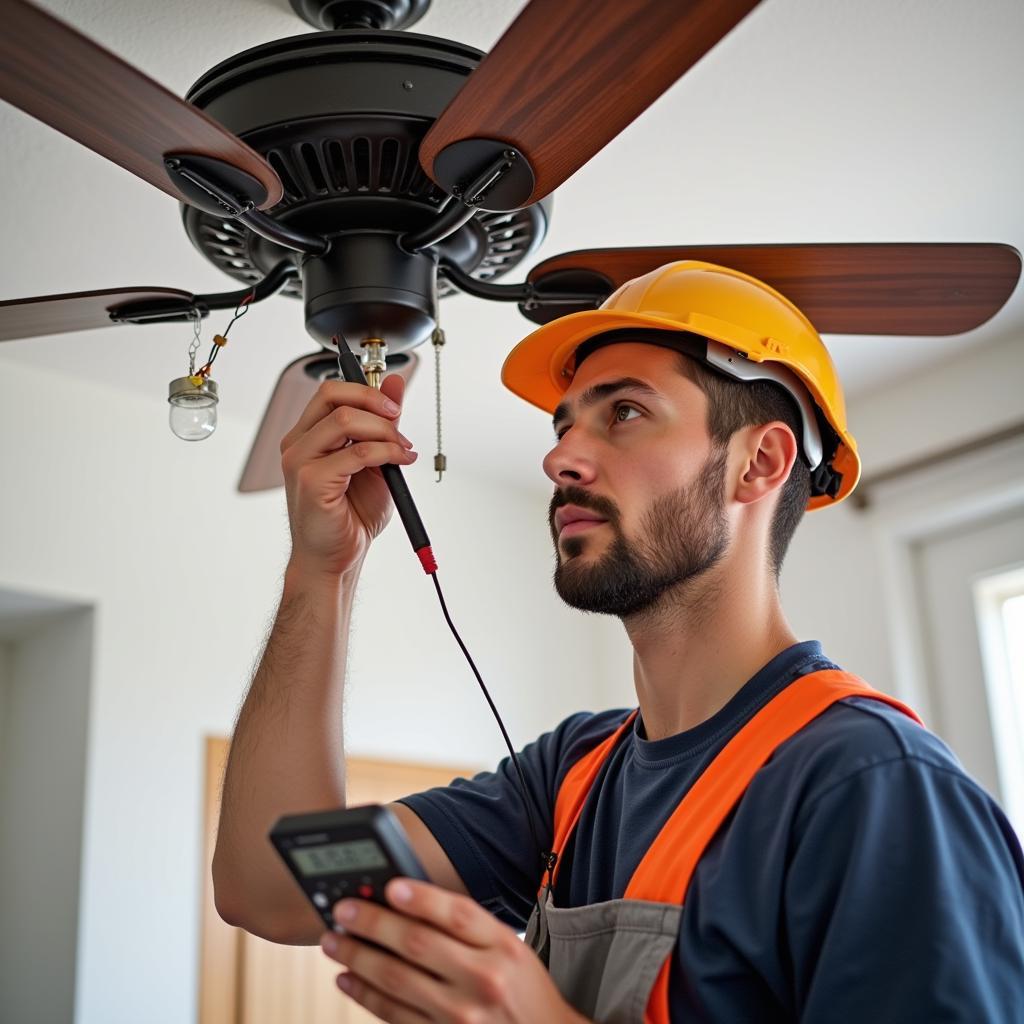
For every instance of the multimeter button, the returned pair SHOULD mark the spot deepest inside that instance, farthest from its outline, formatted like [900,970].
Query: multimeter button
[320,899]
[366,891]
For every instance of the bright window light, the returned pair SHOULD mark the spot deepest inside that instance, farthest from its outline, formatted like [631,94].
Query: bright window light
[999,602]
[1013,630]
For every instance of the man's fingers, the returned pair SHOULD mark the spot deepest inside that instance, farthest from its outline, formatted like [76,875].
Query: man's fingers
[457,915]
[393,387]
[407,986]
[349,461]
[335,430]
[377,1003]
[442,936]
[334,393]
[414,941]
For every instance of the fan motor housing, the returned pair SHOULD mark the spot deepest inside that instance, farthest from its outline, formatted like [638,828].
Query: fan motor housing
[366,286]
[340,116]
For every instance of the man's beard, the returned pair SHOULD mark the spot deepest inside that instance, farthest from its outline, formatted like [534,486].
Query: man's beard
[682,535]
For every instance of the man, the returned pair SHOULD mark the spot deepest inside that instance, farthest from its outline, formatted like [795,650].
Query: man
[764,839]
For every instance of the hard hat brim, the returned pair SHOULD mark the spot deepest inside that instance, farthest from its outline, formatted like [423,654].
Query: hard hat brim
[535,370]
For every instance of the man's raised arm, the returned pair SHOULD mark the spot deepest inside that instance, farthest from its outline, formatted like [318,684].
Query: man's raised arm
[287,752]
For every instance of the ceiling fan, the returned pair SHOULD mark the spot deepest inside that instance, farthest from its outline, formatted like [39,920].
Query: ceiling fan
[369,171]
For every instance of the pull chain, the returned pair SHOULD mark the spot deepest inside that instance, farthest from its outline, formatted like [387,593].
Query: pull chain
[440,462]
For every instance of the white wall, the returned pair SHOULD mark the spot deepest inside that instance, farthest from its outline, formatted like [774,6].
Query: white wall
[104,506]
[42,763]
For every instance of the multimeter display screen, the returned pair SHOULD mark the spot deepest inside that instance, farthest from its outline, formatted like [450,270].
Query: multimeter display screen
[334,858]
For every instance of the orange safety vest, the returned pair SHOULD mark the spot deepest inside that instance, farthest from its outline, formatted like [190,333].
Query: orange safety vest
[664,872]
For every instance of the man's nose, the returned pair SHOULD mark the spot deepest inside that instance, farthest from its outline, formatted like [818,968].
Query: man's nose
[570,462]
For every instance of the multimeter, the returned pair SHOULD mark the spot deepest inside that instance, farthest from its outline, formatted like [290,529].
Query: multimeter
[352,851]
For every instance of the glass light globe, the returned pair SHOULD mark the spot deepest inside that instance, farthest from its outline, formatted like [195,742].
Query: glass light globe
[193,415]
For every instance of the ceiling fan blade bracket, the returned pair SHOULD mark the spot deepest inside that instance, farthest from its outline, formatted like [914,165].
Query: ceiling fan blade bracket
[485,173]
[575,291]
[156,312]
[276,231]
[162,311]
[214,185]
[484,289]
[561,292]
[272,283]
[453,217]
[467,200]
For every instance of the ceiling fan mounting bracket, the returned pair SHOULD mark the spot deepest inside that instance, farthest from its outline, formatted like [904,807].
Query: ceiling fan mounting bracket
[378,14]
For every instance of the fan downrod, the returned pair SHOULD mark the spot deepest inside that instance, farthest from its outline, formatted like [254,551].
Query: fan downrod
[375,14]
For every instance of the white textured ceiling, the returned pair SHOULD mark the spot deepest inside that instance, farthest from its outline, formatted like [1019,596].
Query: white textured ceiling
[813,121]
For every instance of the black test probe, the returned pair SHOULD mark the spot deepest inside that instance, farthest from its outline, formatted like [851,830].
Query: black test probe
[353,373]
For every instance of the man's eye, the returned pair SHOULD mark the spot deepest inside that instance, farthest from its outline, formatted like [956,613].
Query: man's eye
[619,408]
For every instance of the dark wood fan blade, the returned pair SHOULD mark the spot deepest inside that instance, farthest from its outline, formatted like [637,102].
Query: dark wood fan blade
[77,311]
[295,387]
[860,288]
[569,75]
[59,76]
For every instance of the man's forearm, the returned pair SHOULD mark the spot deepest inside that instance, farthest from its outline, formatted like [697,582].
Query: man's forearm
[287,754]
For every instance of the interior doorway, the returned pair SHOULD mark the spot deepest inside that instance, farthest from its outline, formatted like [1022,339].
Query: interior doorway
[46,647]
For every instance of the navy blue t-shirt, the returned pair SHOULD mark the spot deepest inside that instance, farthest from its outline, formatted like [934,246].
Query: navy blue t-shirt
[863,876]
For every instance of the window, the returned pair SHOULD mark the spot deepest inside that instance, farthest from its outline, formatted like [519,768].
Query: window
[999,602]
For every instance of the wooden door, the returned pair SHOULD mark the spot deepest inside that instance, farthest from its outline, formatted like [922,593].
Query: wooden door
[247,980]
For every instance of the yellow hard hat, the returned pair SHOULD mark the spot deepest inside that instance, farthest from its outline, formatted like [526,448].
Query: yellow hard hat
[733,323]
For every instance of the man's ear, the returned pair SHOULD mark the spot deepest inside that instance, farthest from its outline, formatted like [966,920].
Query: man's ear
[768,454]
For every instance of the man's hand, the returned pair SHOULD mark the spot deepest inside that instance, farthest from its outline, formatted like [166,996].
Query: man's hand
[454,962]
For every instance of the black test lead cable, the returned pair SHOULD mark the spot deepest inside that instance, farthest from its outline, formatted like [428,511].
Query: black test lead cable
[353,373]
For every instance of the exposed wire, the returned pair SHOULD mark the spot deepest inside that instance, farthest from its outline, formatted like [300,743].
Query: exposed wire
[547,858]
[220,340]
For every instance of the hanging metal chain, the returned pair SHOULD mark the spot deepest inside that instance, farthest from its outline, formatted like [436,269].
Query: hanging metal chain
[438,339]
[196,341]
